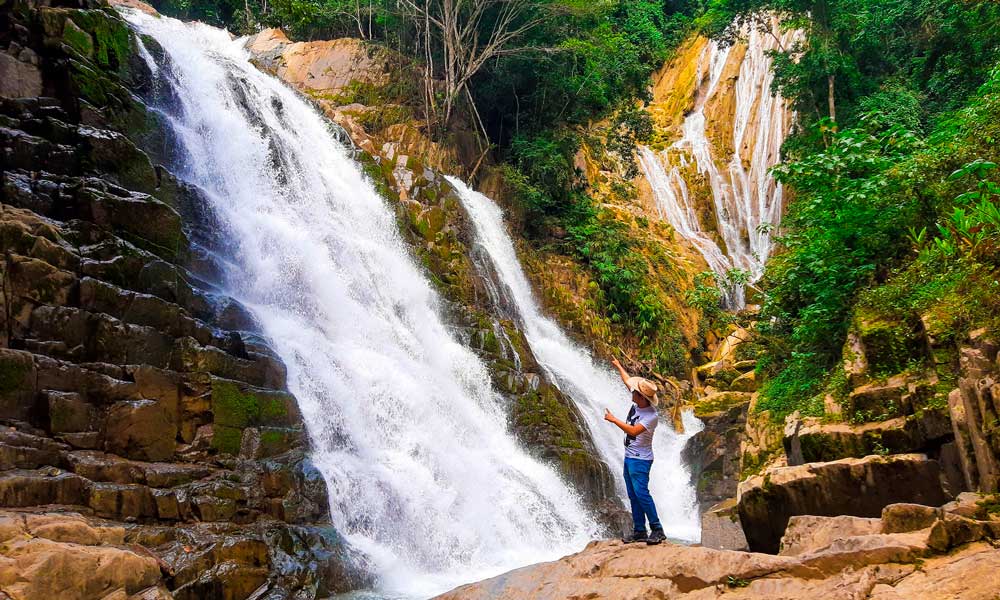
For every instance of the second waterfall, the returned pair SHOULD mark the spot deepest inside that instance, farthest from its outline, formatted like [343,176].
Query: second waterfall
[730,223]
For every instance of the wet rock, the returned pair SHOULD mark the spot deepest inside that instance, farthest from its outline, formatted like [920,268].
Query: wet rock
[22,488]
[713,453]
[18,383]
[141,430]
[18,78]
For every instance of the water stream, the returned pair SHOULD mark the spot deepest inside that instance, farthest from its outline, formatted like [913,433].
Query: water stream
[423,474]
[591,385]
[746,199]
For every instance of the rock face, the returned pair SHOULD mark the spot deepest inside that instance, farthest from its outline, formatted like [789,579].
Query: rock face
[131,389]
[834,558]
[975,408]
[859,487]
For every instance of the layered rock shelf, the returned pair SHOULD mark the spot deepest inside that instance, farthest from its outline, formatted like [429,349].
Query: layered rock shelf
[148,445]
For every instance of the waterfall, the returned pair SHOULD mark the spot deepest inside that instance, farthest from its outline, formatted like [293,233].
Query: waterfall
[424,476]
[746,199]
[592,386]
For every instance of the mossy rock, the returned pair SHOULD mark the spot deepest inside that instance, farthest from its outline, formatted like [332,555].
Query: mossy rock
[719,402]
[112,38]
[890,344]
[238,405]
[78,39]
[541,415]
[278,440]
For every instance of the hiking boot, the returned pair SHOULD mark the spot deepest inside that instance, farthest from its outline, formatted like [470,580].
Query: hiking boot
[655,538]
[634,537]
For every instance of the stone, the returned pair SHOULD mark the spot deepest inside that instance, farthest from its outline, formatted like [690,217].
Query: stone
[903,517]
[122,501]
[747,382]
[807,533]
[141,430]
[968,505]
[810,439]
[953,531]
[721,529]
[18,383]
[18,79]
[968,575]
[25,488]
[73,571]
[68,412]
[860,487]
[855,362]
[879,400]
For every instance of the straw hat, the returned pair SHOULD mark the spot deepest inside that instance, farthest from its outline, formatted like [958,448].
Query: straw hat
[645,387]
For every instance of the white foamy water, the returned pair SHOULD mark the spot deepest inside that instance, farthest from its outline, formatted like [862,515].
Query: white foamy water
[747,201]
[422,471]
[592,386]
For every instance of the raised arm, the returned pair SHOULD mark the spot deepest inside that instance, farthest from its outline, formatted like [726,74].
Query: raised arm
[621,371]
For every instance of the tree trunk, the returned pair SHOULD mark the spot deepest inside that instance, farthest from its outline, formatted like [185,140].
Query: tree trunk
[830,97]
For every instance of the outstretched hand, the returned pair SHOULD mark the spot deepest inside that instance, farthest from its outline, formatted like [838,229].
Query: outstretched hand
[608,416]
[616,363]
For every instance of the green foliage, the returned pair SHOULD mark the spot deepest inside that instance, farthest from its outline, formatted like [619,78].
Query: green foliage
[705,297]
[844,252]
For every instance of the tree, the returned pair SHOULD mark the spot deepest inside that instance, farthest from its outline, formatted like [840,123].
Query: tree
[468,33]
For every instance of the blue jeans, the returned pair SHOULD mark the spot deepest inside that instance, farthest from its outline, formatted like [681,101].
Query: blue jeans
[637,484]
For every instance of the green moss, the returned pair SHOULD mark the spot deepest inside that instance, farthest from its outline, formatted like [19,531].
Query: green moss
[77,39]
[239,408]
[12,375]
[720,402]
[542,411]
[112,38]
[990,505]
[226,439]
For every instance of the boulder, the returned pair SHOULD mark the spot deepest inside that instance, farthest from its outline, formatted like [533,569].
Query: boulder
[747,382]
[808,533]
[19,78]
[902,517]
[73,571]
[859,487]
[18,383]
[24,488]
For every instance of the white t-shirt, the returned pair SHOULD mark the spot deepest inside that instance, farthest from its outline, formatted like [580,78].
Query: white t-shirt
[641,446]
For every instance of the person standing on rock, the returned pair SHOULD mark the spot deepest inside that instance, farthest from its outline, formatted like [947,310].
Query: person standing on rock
[639,426]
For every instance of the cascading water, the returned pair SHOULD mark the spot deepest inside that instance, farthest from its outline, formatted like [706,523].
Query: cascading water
[591,386]
[747,201]
[423,474]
